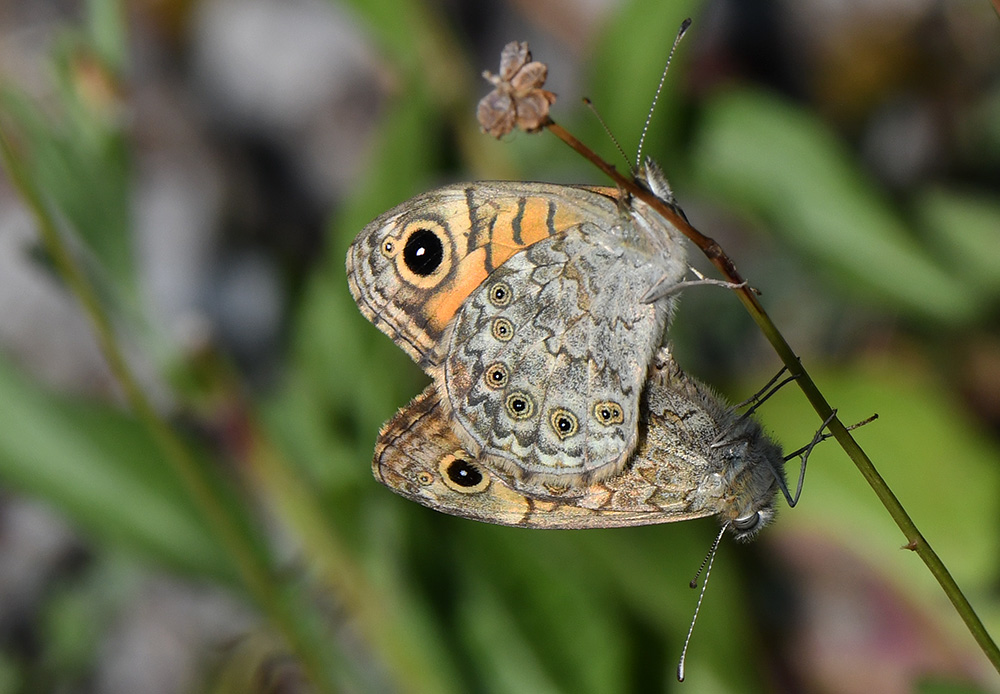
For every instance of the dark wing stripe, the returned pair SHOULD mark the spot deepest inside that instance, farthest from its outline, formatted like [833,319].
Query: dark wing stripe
[516,223]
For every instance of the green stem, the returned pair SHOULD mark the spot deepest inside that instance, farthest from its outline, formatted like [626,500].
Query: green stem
[255,571]
[714,252]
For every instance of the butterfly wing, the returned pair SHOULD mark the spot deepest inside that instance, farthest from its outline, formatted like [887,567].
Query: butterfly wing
[412,268]
[419,457]
[547,360]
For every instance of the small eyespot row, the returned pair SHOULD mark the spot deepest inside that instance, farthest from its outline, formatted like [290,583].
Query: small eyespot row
[500,294]
[496,375]
[608,413]
[564,423]
[502,329]
[519,405]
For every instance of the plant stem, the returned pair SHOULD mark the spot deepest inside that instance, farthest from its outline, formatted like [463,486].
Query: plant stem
[718,257]
[251,563]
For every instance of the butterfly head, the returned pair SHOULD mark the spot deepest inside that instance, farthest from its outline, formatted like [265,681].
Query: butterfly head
[757,475]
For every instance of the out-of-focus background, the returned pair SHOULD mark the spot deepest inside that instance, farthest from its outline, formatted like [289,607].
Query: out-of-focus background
[209,161]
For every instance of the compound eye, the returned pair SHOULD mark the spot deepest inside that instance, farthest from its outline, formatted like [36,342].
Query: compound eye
[747,524]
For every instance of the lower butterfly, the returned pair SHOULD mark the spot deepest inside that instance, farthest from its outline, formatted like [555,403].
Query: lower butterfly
[696,457]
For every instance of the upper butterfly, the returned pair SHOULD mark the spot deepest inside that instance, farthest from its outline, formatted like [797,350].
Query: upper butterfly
[525,303]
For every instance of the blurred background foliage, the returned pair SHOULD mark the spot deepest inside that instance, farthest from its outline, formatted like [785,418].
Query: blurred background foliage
[209,162]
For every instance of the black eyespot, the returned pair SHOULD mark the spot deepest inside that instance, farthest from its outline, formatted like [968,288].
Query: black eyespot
[502,329]
[608,413]
[423,252]
[463,474]
[497,375]
[519,406]
[500,294]
[564,423]
[388,248]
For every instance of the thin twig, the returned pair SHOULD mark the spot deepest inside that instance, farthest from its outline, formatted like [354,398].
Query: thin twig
[915,540]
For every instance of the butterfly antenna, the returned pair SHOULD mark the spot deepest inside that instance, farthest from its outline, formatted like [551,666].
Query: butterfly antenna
[656,97]
[590,104]
[706,565]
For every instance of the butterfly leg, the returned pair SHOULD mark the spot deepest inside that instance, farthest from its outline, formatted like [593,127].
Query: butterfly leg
[769,389]
[756,400]
[662,289]
[804,452]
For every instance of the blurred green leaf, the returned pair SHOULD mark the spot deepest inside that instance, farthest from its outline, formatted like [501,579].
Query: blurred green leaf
[398,25]
[72,629]
[632,51]
[438,667]
[80,163]
[10,675]
[99,466]
[776,160]
[966,228]
[942,469]
[506,661]
[106,24]
[558,598]
[936,686]
[347,378]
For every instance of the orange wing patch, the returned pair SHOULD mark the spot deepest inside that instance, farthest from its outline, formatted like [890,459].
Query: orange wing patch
[514,227]
[469,274]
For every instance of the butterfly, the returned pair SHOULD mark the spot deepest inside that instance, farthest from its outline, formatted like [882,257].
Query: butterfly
[696,457]
[529,306]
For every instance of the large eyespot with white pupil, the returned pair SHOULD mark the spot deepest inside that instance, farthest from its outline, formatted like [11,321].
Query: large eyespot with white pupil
[422,253]
[463,476]
[500,294]
[519,405]
[564,423]
[502,329]
[496,375]
[608,413]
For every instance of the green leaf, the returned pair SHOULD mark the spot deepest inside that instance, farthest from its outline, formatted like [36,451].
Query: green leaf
[100,467]
[347,378]
[556,597]
[80,166]
[627,66]
[940,466]
[966,228]
[106,23]
[777,161]
[506,661]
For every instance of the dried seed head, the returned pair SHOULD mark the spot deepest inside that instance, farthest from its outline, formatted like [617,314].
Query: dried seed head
[517,99]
